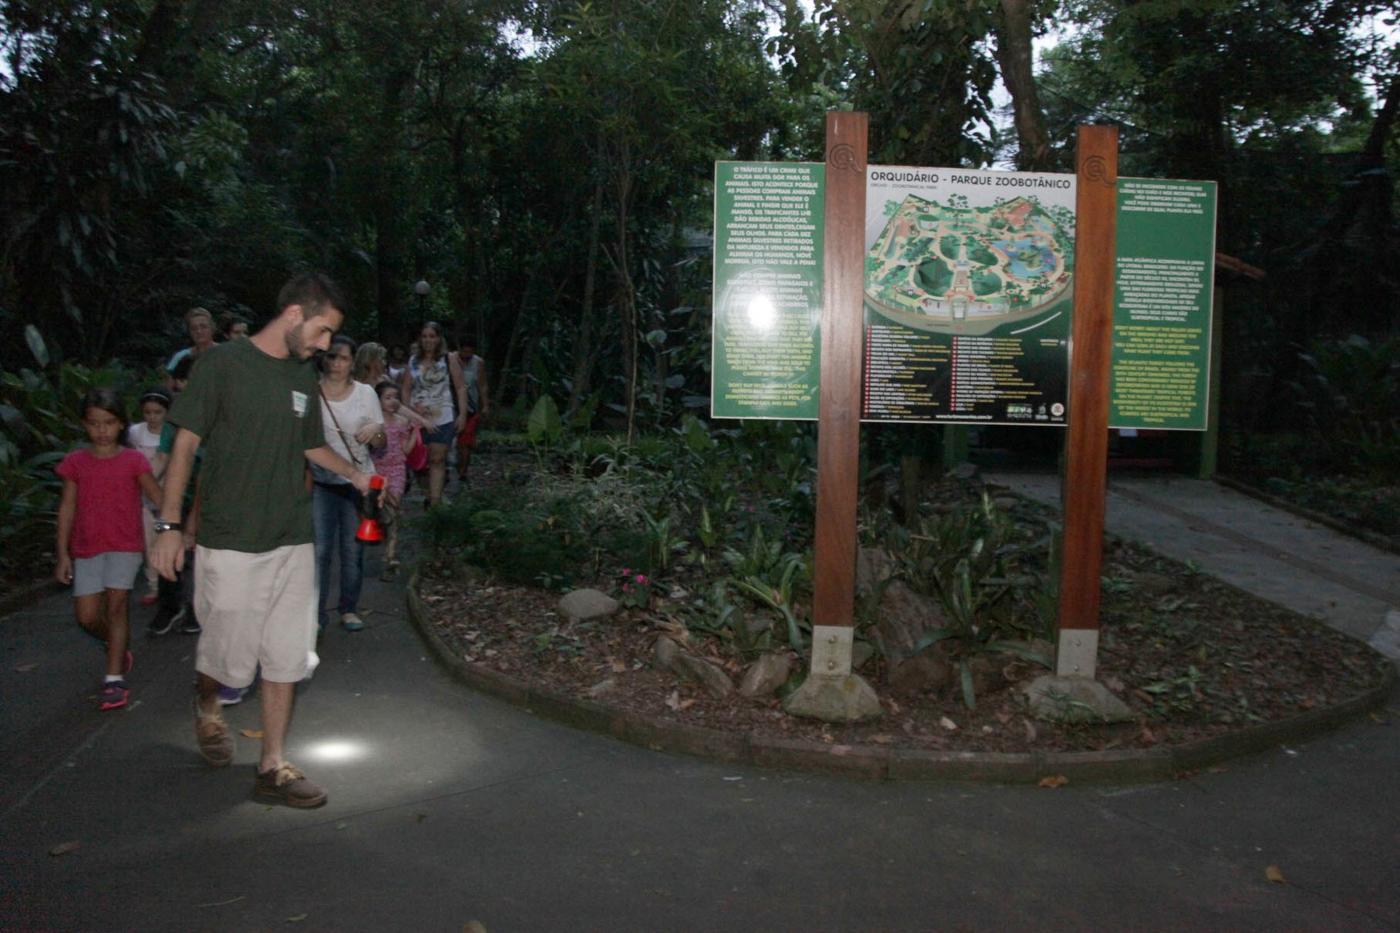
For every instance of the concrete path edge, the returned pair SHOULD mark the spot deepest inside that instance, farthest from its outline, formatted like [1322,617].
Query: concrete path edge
[1364,535]
[1115,766]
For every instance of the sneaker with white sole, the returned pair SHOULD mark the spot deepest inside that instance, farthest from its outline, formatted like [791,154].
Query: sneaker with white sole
[112,695]
[351,622]
[232,696]
[189,623]
[161,623]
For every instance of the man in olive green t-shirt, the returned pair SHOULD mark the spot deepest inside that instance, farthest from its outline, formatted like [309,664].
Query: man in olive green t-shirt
[253,405]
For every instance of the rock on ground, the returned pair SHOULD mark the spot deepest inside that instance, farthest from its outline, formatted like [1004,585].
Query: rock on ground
[904,617]
[714,681]
[873,567]
[664,653]
[763,677]
[929,672]
[1074,699]
[586,604]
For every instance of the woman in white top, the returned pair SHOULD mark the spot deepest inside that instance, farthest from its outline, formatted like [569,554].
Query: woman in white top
[431,381]
[353,423]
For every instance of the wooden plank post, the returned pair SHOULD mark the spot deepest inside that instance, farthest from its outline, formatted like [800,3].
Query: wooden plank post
[832,692]
[1086,456]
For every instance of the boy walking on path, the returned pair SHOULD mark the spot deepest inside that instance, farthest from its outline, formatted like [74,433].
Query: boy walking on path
[253,405]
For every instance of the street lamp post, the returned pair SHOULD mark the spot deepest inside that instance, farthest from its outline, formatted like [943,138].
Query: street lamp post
[421,289]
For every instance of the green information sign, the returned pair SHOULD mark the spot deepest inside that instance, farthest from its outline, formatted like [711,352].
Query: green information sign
[767,289]
[1162,304]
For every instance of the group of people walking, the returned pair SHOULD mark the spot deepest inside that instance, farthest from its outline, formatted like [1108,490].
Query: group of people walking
[242,484]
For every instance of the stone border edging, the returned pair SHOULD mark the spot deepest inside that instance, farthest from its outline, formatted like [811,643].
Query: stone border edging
[1365,535]
[876,762]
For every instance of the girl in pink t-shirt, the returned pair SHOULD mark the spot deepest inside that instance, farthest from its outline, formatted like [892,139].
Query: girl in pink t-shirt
[401,432]
[100,539]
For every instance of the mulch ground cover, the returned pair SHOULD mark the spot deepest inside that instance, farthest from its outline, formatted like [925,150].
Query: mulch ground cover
[1191,656]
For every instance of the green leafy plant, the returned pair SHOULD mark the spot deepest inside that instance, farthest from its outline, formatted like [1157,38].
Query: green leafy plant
[771,576]
[544,427]
[663,541]
[969,558]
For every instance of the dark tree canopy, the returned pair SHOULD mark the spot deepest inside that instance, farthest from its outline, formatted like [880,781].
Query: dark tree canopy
[546,166]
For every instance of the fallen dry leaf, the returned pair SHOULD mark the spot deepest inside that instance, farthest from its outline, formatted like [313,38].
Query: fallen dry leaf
[675,631]
[673,701]
[473,926]
[297,918]
[618,667]
[63,848]
[26,667]
[1054,780]
[1274,874]
[251,733]
[882,739]
[948,724]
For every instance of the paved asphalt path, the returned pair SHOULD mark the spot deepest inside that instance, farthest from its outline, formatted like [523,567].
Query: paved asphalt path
[447,807]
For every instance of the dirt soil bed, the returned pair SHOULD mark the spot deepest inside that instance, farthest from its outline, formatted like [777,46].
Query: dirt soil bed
[1191,656]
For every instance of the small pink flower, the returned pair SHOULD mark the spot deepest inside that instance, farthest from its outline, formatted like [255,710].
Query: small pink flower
[641,578]
[626,571]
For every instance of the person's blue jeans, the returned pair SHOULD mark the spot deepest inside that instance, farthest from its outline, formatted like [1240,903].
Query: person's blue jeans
[335,519]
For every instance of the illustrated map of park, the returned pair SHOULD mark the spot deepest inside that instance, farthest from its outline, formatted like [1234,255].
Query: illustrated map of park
[959,269]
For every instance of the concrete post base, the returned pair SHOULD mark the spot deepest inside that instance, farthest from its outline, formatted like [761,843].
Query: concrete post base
[834,698]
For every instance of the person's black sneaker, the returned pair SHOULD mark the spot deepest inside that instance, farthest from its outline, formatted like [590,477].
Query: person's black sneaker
[189,625]
[161,623]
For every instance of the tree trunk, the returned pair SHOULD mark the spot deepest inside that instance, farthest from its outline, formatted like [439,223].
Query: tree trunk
[583,345]
[626,294]
[1016,59]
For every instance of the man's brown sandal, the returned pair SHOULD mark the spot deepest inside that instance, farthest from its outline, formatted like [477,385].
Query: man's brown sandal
[215,740]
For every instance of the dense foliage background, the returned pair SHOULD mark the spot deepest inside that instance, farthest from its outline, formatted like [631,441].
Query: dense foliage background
[546,167]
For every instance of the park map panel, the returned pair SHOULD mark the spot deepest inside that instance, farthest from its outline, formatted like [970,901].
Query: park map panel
[968,292]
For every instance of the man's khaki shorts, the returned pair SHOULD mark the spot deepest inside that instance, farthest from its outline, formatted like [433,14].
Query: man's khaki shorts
[256,609]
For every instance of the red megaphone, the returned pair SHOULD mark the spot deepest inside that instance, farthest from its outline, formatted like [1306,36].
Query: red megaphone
[369,531]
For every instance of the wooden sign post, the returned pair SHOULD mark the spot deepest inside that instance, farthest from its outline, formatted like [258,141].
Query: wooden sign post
[1086,460]
[832,692]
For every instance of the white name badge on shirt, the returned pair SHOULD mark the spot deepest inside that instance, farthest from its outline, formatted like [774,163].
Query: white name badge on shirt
[299,404]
